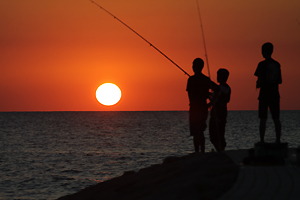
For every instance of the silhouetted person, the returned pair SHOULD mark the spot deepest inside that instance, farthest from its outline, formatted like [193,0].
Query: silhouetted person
[268,74]
[198,91]
[218,113]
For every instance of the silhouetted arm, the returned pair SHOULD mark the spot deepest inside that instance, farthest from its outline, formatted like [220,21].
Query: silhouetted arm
[280,77]
[215,87]
[258,82]
[258,73]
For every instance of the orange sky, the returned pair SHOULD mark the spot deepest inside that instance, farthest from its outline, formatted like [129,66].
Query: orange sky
[55,53]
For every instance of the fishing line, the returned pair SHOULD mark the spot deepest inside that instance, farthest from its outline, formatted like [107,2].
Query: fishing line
[141,37]
[298,22]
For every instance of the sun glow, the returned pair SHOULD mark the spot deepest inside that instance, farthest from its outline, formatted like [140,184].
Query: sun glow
[108,94]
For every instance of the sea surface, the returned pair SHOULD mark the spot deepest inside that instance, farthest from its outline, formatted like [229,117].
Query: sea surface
[46,155]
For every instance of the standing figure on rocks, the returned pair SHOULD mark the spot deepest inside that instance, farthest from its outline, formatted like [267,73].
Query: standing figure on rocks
[198,87]
[268,74]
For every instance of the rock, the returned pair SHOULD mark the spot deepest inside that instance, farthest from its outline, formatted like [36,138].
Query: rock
[195,176]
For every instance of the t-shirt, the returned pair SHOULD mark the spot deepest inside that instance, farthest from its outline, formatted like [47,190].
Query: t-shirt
[269,73]
[198,89]
[220,105]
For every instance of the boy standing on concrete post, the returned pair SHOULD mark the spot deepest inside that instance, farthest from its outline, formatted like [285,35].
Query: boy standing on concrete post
[268,74]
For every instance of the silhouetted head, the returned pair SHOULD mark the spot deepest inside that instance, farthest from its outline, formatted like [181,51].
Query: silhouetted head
[222,75]
[198,64]
[267,50]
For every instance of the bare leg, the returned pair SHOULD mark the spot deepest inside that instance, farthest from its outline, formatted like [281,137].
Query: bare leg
[262,129]
[199,141]
[277,129]
[202,143]
[196,143]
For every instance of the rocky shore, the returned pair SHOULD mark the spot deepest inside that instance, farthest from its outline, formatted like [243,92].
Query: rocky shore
[195,176]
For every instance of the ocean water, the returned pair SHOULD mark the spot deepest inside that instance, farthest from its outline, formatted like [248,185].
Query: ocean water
[46,155]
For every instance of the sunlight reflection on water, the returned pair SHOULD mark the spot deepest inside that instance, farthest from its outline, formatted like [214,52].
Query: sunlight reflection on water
[45,155]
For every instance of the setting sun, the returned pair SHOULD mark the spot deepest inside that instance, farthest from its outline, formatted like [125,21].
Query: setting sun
[108,94]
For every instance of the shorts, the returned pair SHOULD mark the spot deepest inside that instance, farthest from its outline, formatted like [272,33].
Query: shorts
[197,121]
[273,105]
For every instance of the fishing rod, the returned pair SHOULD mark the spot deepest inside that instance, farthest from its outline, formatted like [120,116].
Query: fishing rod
[141,37]
[200,19]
